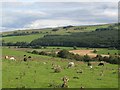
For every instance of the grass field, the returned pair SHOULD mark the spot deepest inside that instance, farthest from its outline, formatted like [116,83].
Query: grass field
[35,74]
[61,31]
[103,51]
[38,73]
[29,38]
[106,51]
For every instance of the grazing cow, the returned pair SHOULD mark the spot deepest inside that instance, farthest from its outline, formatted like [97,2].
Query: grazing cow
[64,85]
[25,59]
[75,77]
[6,57]
[79,71]
[89,64]
[91,67]
[101,73]
[57,69]
[12,58]
[71,64]
[29,56]
[101,64]
[65,80]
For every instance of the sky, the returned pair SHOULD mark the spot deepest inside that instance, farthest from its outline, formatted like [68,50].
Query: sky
[35,15]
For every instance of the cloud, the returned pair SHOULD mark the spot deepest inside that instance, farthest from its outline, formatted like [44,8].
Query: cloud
[57,23]
[61,1]
[18,18]
[19,15]
[51,23]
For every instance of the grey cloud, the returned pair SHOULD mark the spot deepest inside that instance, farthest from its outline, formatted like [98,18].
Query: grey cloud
[18,15]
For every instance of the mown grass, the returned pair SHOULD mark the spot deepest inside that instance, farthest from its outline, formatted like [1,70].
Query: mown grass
[35,74]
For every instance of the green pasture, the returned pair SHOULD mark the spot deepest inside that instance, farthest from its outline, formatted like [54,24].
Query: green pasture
[35,74]
[104,51]
[27,38]
[61,31]
[107,51]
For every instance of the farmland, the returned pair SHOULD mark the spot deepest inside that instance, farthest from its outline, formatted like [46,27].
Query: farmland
[44,75]
[43,32]
[74,39]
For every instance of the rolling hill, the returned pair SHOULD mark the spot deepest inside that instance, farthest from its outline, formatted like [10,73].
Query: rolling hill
[11,37]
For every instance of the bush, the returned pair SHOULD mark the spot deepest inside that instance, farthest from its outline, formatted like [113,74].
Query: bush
[43,53]
[57,70]
[114,60]
[86,58]
[95,51]
[63,54]
[78,57]
[99,57]
[35,52]
[74,47]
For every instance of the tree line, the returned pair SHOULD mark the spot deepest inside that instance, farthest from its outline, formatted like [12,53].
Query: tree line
[96,39]
[20,33]
[99,38]
[113,59]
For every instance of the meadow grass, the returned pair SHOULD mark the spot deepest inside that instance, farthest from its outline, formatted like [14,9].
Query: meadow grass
[27,38]
[35,74]
[107,51]
[103,51]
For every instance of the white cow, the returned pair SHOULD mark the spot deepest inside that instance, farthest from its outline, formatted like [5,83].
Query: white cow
[6,57]
[71,64]
[91,67]
[12,58]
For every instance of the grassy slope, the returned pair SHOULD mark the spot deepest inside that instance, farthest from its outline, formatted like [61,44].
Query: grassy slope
[29,38]
[44,74]
[103,51]
[106,51]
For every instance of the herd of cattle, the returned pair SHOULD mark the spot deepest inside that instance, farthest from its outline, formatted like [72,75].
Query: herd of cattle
[70,64]
[57,67]
[14,59]
[10,58]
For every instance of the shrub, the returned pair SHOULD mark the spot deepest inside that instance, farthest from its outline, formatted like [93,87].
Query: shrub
[57,70]
[63,54]
[43,53]
[74,47]
[95,51]
[86,58]
[35,52]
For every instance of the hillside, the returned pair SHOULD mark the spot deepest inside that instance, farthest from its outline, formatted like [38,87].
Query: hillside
[105,38]
[81,36]
[20,36]
[101,37]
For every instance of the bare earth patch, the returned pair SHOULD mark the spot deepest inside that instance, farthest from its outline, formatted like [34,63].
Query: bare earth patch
[84,52]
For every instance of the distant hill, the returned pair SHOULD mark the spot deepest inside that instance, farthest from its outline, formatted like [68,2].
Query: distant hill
[30,35]
[101,37]
[80,36]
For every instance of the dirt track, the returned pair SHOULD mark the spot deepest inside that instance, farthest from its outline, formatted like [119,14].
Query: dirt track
[84,52]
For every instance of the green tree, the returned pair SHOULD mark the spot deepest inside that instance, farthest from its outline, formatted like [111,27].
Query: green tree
[63,54]
[74,47]
[86,58]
